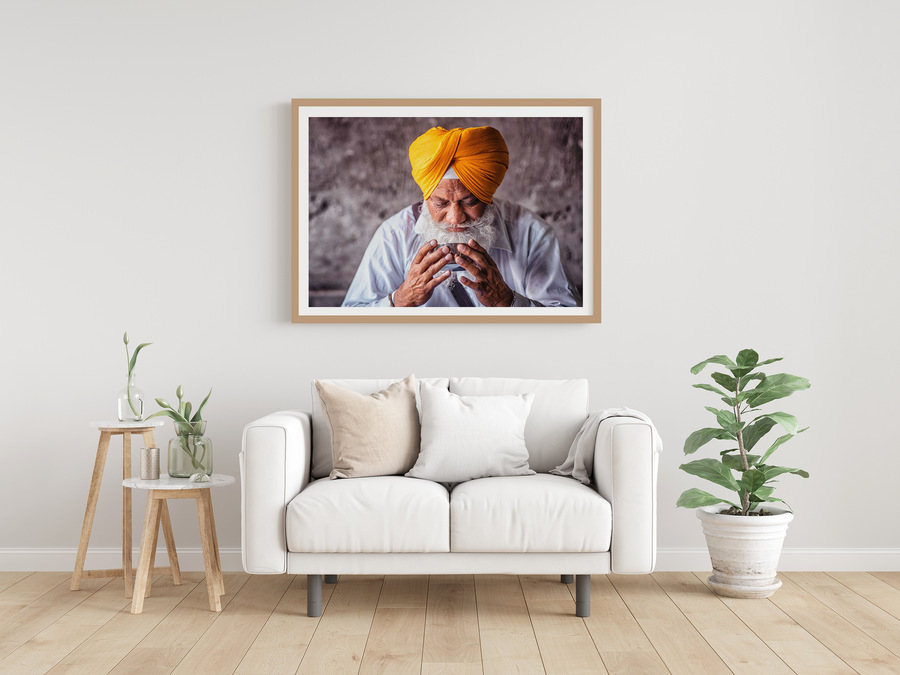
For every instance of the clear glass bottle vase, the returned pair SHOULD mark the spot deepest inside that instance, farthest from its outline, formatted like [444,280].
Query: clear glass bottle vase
[190,451]
[130,401]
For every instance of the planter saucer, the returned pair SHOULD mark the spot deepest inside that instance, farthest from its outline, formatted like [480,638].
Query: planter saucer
[748,592]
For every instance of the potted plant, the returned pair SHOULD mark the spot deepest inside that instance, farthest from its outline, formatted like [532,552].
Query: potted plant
[130,398]
[745,539]
[190,452]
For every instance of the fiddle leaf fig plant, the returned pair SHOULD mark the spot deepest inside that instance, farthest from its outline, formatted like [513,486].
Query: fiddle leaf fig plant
[750,476]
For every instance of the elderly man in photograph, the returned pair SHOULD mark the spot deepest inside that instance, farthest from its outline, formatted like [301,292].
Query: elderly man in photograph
[460,247]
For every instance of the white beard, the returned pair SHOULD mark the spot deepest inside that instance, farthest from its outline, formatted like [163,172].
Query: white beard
[484,230]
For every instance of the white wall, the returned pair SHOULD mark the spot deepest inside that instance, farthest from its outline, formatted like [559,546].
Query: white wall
[750,179]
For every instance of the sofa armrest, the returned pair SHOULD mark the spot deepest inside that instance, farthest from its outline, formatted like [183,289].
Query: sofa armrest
[624,473]
[275,461]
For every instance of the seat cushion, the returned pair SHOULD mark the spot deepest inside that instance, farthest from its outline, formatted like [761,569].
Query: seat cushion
[540,513]
[380,514]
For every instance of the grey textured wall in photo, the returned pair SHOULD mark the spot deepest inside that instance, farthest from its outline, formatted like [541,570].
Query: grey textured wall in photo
[359,175]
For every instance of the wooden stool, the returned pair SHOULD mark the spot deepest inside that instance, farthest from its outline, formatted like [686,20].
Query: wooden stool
[167,487]
[107,431]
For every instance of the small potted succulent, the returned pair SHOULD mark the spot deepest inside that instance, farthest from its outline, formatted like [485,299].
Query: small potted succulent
[190,452]
[744,540]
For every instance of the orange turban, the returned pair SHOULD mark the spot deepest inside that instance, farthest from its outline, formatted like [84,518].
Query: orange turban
[479,156]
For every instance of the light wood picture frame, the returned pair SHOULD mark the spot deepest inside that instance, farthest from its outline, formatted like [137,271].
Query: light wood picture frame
[351,172]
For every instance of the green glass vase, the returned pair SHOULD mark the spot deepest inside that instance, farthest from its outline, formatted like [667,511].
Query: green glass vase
[190,451]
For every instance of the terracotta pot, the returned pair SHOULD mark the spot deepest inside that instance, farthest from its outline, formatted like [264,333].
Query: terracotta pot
[744,550]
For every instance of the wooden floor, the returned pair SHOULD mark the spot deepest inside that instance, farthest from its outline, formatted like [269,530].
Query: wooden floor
[816,624]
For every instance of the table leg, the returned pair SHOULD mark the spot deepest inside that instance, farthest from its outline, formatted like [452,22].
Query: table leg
[127,540]
[170,543]
[148,539]
[90,509]
[215,540]
[209,557]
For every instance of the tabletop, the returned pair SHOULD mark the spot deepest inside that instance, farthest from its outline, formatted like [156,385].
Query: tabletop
[167,482]
[116,424]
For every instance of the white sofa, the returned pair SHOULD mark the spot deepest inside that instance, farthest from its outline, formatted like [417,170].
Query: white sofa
[296,520]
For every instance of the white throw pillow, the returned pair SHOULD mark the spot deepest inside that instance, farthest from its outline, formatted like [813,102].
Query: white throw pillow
[466,437]
[374,435]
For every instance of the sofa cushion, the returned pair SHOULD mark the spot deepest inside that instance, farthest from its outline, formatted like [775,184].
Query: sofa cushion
[560,408]
[382,514]
[322,462]
[371,435]
[466,437]
[540,513]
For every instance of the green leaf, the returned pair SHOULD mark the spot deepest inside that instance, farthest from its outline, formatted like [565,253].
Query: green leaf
[774,387]
[163,403]
[709,387]
[712,470]
[781,440]
[691,499]
[773,471]
[755,431]
[788,422]
[725,380]
[171,414]
[749,378]
[135,355]
[752,480]
[765,363]
[187,410]
[196,417]
[721,359]
[726,419]
[746,362]
[700,438]
[735,462]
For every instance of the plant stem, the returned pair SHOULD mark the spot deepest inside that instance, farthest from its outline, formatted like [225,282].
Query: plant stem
[745,496]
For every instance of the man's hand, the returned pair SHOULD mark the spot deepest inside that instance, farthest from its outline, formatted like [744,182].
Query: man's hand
[420,280]
[488,283]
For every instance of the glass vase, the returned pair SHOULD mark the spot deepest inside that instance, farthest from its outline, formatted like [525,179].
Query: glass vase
[190,451]
[130,401]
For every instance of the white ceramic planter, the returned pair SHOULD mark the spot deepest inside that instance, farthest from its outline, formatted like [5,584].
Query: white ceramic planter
[744,550]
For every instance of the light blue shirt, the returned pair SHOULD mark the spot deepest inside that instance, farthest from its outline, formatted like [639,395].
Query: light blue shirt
[526,253]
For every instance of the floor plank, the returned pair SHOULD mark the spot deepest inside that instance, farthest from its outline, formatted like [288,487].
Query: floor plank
[891,578]
[171,639]
[563,638]
[871,588]
[508,643]
[741,650]
[802,652]
[106,647]
[622,644]
[452,644]
[869,618]
[284,638]
[854,647]
[44,609]
[339,641]
[8,579]
[681,648]
[228,639]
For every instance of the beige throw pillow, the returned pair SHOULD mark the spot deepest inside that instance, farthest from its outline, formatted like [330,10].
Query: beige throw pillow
[372,435]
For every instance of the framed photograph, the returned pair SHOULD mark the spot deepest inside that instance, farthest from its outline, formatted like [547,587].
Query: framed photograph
[417,211]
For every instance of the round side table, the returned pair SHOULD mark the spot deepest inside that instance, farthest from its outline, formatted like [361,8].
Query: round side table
[158,491]
[109,429]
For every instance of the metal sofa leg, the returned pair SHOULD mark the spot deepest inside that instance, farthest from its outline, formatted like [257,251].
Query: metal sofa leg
[331,578]
[582,595]
[313,595]
[567,578]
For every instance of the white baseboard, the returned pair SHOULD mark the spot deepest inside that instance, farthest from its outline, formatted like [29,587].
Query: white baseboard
[667,559]
[791,560]
[63,559]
